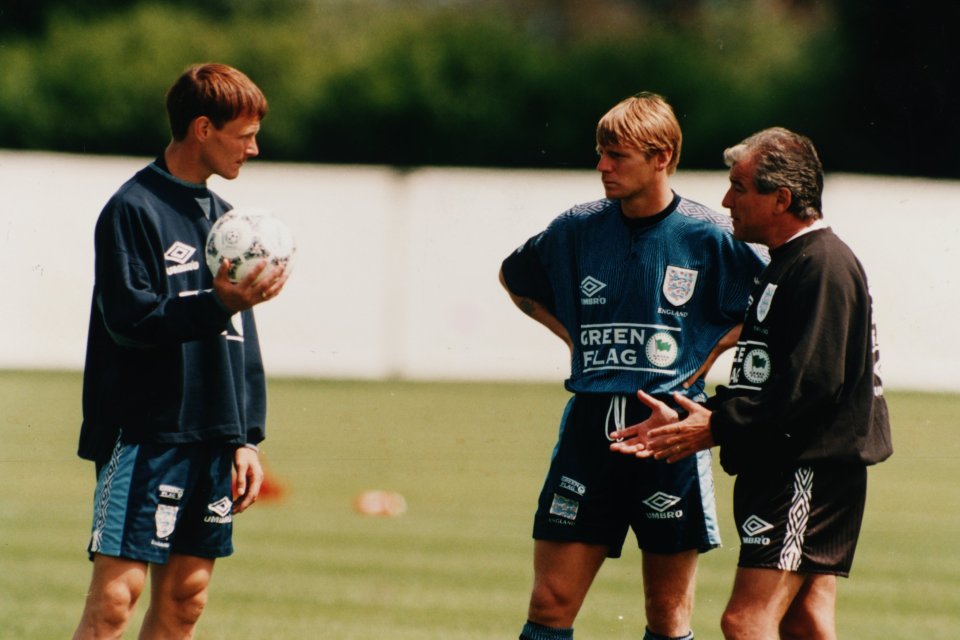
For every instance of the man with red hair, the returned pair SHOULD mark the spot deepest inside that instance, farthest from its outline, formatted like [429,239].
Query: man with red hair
[173,396]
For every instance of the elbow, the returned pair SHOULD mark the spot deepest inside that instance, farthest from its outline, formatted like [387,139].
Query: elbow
[503,281]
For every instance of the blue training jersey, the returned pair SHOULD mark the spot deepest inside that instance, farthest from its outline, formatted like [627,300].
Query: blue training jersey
[644,300]
[166,362]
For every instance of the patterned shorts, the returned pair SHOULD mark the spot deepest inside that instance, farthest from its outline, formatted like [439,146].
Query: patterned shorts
[806,520]
[153,500]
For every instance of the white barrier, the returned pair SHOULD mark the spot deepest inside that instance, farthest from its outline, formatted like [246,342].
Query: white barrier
[396,273]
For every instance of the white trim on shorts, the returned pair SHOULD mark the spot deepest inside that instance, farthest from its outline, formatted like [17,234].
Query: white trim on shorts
[797,519]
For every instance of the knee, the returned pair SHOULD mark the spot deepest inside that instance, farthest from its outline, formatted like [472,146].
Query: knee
[734,624]
[109,610]
[798,625]
[186,605]
[668,610]
[552,605]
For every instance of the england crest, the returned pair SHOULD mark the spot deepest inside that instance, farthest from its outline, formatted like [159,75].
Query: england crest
[766,299]
[166,520]
[678,285]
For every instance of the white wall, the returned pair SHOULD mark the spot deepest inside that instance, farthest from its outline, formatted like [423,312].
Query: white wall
[396,273]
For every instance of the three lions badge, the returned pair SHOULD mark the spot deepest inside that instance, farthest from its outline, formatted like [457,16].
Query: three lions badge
[678,285]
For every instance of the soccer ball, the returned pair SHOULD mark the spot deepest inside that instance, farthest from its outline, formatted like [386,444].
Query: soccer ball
[245,237]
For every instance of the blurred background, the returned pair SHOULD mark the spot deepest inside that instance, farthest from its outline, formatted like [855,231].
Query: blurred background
[412,144]
[498,83]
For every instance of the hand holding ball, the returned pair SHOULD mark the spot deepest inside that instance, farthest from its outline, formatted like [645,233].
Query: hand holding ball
[246,237]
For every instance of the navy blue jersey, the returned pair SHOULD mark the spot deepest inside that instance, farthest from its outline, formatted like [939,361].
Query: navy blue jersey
[166,362]
[644,300]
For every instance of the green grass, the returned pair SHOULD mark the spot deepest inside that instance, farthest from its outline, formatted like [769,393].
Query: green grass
[469,458]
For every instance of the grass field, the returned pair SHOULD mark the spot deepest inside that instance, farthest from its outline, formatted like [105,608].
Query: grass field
[469,458]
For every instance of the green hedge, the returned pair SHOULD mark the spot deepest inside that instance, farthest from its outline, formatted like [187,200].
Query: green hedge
[390,83]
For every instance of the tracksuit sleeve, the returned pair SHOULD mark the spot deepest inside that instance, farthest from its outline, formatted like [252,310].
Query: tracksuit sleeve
[133,295]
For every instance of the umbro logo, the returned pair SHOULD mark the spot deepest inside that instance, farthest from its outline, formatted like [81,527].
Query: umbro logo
[179,252]
[661,501]
[754,526]
[659,505]
[591,286]
[221,507]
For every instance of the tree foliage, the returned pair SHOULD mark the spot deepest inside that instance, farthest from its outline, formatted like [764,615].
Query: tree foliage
[475,82]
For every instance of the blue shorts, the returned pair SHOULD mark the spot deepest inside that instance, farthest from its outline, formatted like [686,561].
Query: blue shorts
[594,495]
[153,500]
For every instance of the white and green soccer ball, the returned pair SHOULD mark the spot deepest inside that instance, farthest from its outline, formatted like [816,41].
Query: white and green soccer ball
[245,237]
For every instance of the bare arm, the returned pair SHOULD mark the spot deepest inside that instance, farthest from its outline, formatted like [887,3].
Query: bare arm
[539,313]
[728,341]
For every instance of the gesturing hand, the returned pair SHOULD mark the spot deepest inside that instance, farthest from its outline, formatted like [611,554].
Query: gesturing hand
[662,436]
[634,440]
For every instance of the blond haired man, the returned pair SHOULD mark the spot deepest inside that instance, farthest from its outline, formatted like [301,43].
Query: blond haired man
[646,288]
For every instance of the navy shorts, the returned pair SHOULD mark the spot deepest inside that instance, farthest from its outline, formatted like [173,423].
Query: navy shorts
[153,500]
[594,495]
[806,520]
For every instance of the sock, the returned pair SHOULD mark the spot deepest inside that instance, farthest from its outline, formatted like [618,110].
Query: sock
[650,635]
[534,631]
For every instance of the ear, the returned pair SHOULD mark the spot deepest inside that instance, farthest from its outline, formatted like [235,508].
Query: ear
[783,199]
[662,159]
[202,127]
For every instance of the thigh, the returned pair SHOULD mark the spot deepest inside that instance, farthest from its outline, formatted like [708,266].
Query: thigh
[670,575]
[179,591]
[181,578]
[812,614]
[760,600]
[669,582]
[563,573]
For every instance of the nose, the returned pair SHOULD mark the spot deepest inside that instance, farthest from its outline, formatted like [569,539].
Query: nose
[252,149]
[603,164]
[727,202]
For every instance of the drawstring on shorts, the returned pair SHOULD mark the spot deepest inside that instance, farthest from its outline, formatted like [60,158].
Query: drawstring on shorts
[618,409]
